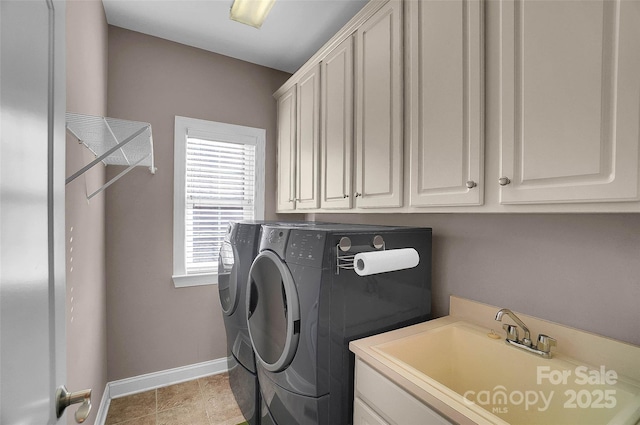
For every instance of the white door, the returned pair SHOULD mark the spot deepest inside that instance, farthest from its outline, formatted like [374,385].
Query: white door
[32,332]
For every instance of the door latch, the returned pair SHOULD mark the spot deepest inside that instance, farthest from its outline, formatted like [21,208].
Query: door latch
[64,399]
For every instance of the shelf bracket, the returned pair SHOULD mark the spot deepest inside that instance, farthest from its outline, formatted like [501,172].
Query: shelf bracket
[103,156]
[116,178]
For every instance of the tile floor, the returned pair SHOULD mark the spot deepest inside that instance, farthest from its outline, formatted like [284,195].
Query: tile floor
[204,401]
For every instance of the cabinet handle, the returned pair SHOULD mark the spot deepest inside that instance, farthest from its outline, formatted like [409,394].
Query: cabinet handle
[504,181]
[345,196]
[357,195]
[471,184]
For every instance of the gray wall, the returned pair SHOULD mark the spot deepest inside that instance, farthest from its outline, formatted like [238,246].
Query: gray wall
[151,325]
[581,270]
[86,296]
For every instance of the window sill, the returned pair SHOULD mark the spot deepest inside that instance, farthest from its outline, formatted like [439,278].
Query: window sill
[184,281]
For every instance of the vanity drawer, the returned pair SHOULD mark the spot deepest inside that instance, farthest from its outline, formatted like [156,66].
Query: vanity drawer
[392,403]
[364,415]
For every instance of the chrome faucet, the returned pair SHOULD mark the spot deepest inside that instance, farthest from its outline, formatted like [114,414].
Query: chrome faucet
[543,346]
[527,335]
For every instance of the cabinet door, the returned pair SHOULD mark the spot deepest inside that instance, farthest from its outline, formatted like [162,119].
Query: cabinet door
[363,415]
[307,160]
[337,127]
[570,84]
[379,109]
[444,70]
[286,150]
[389,401]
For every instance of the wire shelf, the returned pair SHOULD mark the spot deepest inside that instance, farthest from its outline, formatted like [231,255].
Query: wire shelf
[114,142]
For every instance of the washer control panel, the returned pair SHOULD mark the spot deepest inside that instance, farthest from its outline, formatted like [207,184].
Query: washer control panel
[306,247]
[246,233]
[274,238]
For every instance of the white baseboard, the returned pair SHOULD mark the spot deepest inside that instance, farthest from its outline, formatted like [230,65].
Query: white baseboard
[155,380]
[163,378]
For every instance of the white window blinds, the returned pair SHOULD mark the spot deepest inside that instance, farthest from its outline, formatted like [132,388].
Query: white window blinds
[218,177]
[220,188]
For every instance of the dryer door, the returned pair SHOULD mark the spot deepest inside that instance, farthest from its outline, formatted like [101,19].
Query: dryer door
[273,312]
[228,278]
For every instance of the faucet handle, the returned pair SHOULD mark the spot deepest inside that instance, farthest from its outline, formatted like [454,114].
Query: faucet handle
[545,343]
[512,332]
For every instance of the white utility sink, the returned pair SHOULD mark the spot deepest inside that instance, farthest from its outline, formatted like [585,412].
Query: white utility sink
[462,360]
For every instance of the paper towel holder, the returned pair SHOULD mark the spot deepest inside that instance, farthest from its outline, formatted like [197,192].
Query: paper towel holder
[345,261]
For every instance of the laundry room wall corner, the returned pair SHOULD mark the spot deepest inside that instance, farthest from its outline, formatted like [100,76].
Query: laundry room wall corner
[86,57]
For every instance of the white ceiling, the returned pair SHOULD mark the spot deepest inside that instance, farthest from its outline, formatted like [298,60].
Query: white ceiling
[292,33]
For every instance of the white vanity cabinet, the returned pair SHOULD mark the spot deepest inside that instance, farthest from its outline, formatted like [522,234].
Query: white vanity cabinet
[445,105]
[379,401]
[569,108]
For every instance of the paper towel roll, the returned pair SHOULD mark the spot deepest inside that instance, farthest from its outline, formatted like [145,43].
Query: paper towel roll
[367,263]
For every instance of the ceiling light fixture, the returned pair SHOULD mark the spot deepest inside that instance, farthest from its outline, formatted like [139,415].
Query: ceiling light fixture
[251,12]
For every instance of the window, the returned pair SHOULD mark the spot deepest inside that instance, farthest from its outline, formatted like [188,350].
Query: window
[218,178]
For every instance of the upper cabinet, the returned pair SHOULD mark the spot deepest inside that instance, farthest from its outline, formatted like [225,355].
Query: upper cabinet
[336,118]
[299,144]
[308,143]
[570,101]
[444,86]
[342,160]
[286,191]
[467,105]
[379,118]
